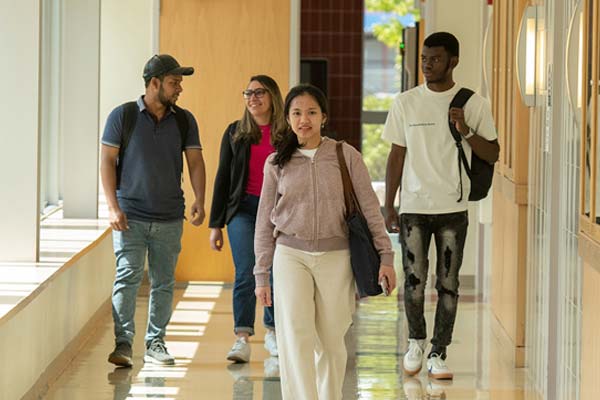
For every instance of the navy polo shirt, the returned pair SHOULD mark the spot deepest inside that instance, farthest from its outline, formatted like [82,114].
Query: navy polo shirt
[150,188]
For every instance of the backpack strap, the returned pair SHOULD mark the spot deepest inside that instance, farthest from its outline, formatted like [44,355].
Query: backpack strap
[459,101]
[130,115]
[182,124]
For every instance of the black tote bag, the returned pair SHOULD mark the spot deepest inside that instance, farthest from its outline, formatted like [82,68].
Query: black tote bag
[364,257]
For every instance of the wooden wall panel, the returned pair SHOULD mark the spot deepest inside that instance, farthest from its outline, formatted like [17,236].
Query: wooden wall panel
[509,269]
[498,216]
[519,121]
[590,341]
[227,41]
[500,116]
[509,264]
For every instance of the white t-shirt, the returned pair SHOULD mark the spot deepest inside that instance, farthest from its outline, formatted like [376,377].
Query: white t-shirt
[418,120]
[310,153]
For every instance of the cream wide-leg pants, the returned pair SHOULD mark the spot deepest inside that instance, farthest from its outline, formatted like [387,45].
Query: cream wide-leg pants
[314,293]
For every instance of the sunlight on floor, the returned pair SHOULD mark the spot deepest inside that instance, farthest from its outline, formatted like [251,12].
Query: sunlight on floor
[200,336]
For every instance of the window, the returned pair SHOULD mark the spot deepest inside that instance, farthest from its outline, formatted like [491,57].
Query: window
[382,79]
[590,130]
[50,159]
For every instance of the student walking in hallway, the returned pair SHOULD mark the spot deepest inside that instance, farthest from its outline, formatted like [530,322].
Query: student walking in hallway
[141,166]
[245,146]
[301,231]
[434,192]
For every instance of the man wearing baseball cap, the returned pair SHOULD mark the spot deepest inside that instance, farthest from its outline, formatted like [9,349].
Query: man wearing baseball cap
[141,166]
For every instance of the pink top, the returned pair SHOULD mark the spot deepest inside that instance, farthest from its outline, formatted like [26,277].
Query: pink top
[258,155]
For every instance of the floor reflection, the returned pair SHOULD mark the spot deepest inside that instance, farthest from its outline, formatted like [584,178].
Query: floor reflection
[120,378]
[243,382]
[376,343]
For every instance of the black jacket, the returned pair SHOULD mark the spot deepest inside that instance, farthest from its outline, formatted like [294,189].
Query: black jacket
[231,179]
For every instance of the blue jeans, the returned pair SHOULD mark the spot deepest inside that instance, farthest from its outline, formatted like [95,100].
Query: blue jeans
[241,237]
[162,242]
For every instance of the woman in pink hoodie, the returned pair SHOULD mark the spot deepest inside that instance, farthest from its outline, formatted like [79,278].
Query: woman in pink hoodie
[301,232]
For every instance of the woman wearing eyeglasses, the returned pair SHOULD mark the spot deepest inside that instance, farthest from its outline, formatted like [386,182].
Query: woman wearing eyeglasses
[245,146]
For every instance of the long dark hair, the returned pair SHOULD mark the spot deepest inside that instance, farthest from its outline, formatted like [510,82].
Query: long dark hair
[247,128]
[289,142]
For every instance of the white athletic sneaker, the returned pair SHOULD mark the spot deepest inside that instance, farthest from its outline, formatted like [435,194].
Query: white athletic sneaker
[271,343]
[413,358]
[437,368]
[240,352]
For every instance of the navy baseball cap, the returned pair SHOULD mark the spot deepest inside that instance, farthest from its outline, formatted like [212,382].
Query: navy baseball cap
[164,64]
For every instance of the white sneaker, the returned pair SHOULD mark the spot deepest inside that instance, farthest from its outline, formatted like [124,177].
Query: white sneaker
[437,368]
[413,390]
[240,352]
[271,343]
[413,358]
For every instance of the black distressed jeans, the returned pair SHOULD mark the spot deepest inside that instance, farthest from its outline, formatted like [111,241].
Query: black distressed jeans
[449,232]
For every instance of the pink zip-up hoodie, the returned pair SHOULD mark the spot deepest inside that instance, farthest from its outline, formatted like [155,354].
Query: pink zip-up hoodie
[302,206]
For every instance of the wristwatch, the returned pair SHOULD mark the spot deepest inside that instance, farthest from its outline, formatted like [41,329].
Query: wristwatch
[470,134]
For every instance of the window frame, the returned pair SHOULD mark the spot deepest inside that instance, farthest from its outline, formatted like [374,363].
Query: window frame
[590,85]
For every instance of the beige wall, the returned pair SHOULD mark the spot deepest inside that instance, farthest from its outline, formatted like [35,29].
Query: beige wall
[462,18]
[123,51]
[19,140]
[43,332]
[227,41]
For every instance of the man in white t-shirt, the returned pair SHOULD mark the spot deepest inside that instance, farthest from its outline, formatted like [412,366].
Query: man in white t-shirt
[424,160]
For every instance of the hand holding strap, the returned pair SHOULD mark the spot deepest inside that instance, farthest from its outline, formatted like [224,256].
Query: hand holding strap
[459,101]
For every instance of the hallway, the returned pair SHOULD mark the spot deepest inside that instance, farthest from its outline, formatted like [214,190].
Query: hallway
[199,336]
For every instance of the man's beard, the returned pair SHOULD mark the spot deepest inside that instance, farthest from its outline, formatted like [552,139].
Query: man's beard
[163,99]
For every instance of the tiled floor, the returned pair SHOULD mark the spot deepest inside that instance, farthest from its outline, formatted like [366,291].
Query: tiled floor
[199,336]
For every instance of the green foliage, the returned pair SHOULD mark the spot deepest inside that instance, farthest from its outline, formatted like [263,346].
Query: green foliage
[400,7]
[374,149]
[390,33]
[373,103]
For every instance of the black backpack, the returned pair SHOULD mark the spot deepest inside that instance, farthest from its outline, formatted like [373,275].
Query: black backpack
[481,172]
[130,115]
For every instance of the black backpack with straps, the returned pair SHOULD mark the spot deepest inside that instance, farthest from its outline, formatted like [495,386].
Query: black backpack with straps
[480,172]
[131,111]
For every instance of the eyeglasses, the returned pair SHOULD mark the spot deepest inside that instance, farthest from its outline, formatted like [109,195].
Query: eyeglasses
[260,92]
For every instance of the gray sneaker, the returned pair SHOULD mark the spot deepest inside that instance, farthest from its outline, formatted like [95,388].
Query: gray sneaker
[157,353]
[121,355]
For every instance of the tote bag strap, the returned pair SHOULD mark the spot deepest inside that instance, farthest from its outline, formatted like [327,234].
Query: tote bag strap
[349,195]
